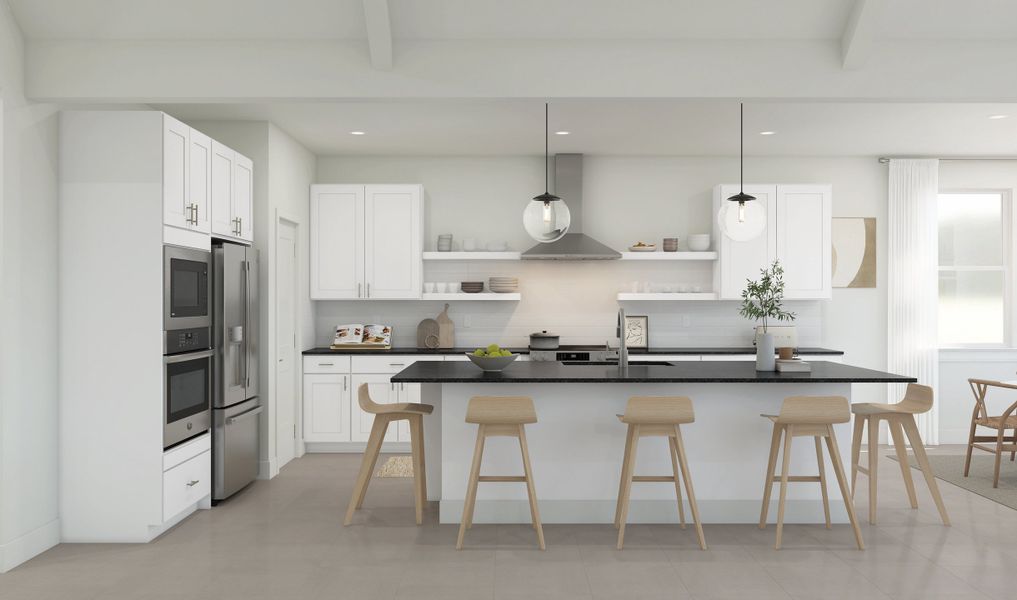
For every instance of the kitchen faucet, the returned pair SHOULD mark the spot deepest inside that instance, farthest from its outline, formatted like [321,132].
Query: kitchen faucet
[623,351]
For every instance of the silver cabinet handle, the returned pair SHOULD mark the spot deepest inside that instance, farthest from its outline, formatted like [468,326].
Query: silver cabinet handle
[397,364]
[193,482]
[344,383]
[326,364]
[358,290]
[368,289]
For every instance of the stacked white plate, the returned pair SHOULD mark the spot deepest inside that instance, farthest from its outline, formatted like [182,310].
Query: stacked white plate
[503,285]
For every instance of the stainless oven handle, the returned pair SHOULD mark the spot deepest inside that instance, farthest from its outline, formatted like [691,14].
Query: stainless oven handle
[244,415]
[178,358]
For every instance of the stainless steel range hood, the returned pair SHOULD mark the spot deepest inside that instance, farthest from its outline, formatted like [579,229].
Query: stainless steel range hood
[574,245]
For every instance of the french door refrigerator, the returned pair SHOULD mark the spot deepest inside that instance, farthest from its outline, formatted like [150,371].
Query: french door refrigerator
[236,408]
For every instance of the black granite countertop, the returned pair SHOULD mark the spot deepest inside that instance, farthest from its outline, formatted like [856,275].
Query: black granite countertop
[632,351]
[679,372]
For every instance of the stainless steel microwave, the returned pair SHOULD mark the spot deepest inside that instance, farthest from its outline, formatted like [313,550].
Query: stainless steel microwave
[187,295]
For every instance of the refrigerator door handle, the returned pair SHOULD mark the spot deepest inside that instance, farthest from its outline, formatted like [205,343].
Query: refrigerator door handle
[247,322]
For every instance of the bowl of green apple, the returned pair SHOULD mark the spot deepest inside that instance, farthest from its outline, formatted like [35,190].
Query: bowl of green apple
[492,359]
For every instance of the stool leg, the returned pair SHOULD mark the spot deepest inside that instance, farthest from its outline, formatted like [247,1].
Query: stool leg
[677,481]
[471,488]
[531,490]
[788,434]
[771,470]
[923,461]
[621,480]
[680,448]
[873,466]
[366,467]
[1013,440]
[822,479]
[856,450]
[838,469]
[897,433]
[630,467]
[417,447]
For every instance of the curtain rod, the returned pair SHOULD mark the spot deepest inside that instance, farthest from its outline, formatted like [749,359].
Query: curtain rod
[884,159]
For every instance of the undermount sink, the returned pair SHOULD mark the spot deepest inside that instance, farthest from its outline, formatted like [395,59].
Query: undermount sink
[614,363]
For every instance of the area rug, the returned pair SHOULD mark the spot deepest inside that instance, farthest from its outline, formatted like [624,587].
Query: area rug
[396,466]
[950,468]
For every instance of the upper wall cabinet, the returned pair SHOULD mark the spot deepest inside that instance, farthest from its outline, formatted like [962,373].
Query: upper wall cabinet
[797,233]
[232,193]
[186,156]
[366,241]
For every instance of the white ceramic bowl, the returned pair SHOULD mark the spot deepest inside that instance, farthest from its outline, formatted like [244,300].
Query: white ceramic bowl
[492,363]
[699,242]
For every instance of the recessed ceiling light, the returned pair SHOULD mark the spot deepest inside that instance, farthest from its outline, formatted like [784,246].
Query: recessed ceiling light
[356,133]
[562,132]
[997,117]
[767,132]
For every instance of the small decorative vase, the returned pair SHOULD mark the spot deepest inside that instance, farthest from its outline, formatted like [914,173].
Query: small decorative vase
[765,359]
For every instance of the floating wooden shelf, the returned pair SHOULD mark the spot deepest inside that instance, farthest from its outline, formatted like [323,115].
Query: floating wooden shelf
[465,296]
[669,256]
[471,255]
[665,296]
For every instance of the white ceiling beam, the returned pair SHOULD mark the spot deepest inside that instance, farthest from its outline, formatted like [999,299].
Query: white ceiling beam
[860,32]
[379,33]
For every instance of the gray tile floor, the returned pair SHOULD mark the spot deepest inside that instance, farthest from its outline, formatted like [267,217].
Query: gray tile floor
[284,539]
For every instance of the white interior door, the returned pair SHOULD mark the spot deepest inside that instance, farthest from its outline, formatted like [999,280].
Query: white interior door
[286,340]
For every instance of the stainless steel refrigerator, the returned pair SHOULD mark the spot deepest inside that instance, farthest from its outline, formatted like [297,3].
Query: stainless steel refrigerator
[236,408]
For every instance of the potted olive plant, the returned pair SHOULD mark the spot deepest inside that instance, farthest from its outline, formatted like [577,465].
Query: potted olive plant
[763,300]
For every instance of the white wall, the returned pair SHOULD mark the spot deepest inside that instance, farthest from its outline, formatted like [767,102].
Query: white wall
[283,173]
[28,313]
[626,199]
[956,400]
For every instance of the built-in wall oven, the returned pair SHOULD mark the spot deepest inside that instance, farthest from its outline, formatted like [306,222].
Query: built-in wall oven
[188,356]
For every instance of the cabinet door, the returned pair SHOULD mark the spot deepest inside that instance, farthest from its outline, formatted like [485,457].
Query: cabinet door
[739,261]
[804,247]
[393,231]
[326,408]
[222,190]
[382,391]
[199,177]
[337,242]
[243,197]
[175,205]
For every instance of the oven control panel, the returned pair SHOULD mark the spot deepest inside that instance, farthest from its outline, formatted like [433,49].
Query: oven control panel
[188,340]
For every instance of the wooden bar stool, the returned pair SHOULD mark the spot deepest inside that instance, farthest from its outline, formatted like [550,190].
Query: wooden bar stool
[500,416]
[383,415]
[812,416]
[901,419]
[980,418]
[656,416]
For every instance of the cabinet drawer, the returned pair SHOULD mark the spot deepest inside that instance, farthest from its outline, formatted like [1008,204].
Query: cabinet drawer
[186,451]
[185,484]
[392,363]
[326,363]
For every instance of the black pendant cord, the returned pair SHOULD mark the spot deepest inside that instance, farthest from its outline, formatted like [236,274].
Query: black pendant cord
[741,148]
[547,151]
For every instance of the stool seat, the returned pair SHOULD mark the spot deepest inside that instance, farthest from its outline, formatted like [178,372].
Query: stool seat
[648,416]
[876,408]
[801,430]
[409,408]
[501,410]
[500,416]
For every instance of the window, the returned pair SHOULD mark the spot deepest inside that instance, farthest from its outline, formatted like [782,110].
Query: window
[974,263]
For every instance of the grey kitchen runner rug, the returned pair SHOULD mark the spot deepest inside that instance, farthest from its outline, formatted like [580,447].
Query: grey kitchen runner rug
[950,468]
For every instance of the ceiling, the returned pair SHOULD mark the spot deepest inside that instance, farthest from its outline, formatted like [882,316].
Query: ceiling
[508,20]
[632,127]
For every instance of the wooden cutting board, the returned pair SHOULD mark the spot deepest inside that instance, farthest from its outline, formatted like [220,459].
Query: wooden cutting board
[427,334]
[446,330]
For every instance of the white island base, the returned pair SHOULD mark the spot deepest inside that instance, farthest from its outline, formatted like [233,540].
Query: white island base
[576,450]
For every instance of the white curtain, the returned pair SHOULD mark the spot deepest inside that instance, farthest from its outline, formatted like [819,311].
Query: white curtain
[913,296]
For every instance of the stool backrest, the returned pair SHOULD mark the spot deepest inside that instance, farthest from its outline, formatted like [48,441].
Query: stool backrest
[501,410]
[663,410]
[364,398]
[917,399]
[814,410]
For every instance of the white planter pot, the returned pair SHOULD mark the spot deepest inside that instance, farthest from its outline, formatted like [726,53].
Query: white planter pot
[765,359]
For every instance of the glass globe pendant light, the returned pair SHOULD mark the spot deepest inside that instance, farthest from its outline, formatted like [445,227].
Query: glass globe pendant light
[546,219]
[742,219]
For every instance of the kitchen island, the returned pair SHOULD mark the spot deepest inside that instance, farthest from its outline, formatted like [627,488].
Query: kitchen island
[576,447]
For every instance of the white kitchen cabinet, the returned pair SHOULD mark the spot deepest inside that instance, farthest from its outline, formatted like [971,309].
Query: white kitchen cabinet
[327,398]
[232,194]
[804,247]
[797,233]
[199,180]
[382,391]
[177,210]
[366,241]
